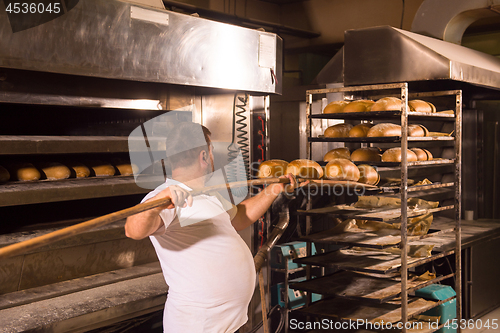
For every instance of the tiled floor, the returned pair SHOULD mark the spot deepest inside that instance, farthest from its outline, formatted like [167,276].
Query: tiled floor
[495,314]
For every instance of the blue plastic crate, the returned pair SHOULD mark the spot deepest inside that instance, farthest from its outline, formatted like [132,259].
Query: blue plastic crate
[447,311]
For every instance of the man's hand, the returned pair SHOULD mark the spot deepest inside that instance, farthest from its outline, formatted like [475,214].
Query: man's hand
[288,188]
[178,196]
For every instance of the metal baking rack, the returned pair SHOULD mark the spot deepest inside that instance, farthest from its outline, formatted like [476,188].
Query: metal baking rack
[370,255]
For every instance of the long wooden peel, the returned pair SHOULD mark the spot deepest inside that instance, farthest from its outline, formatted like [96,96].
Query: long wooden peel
[30,244]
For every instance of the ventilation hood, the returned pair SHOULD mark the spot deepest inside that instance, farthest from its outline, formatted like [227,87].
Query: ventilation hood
[386,55]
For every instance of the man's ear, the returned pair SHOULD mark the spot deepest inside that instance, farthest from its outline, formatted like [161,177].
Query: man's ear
[204,156]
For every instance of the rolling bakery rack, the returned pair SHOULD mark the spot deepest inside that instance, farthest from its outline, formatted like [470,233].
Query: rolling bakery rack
[372,297]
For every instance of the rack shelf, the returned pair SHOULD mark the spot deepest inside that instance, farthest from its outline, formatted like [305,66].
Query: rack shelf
[383,115]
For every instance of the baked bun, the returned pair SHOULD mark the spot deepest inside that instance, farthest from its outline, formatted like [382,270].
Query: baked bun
[305,169]
[100,168]
[4,174]
[78,170]
[360,130]
[272,168]
[368,174]
[422,154]
[417,105]
[362,105]
[123,167]
[54,170]
[387,104]
[371,154]
[417,130]
[335,107]
[338,131]
[394,155]
[384,129]
[24,172]
[341,169]
[342,152]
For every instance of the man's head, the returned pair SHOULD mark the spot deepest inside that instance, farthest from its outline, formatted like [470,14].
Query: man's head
[190,146]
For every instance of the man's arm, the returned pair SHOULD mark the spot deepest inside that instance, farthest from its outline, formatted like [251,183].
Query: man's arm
[144,224]
[252,208]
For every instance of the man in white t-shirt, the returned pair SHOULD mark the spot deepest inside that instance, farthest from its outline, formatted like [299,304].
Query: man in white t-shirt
[207,265]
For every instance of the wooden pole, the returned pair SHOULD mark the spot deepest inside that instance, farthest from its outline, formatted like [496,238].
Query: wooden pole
[30,244]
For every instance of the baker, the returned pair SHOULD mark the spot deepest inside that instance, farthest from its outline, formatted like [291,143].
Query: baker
[207,265]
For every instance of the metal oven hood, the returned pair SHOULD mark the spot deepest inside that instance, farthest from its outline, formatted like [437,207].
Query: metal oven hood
[118,40]
[387,55]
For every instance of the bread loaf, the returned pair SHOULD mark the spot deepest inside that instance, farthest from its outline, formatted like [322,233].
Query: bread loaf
[417,130]
[362,105]
[384,129]
[272,168]
[78,170]
[371,154]
[360,130]
[24,172]
[338,131]
[422,154]
[342,152]
[335,107]
[387,104]
[341,169]
[53,170]
[394,155]
[305,169]
[4,174]
[100,168]
[123,167]
[417,105]
[368,174]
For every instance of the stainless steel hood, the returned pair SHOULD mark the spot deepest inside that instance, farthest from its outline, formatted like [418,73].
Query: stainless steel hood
[118,40]
[386,55]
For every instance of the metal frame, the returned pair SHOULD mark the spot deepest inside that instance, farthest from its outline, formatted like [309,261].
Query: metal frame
[404,139]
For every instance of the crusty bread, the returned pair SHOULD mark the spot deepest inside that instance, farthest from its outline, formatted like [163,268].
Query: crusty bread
[360,130]
[272,168]
[338,131]
[23,172]
[394,155]
[4,174]
[342,152]
[387,104]
[335,107]
[362,105]
[417,130]
[370,154]
[368,174]
[384,129]
[78,169]
[341,169]
[305,169]
[422,154]
[100,168]
[53,170]
[418,105]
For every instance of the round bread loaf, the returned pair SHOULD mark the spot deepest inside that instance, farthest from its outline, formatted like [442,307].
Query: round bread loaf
[78,170]
[418,105]
[335,107]
[422,154]
[305,169]
[384,129]
[24,172]
[387,104]
[394,155]
[368,174]
[123,167]
[341,169]
[338,131]
[54,170]
[272,168]
[371,154]
[100,168]
[362,105]
[360,130]
[417,130]
[342,152]
[4,174]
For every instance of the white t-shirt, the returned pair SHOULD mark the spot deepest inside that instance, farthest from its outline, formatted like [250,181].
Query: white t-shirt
[208,267]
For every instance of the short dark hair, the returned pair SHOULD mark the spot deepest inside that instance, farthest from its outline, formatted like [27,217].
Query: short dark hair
[185,141]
